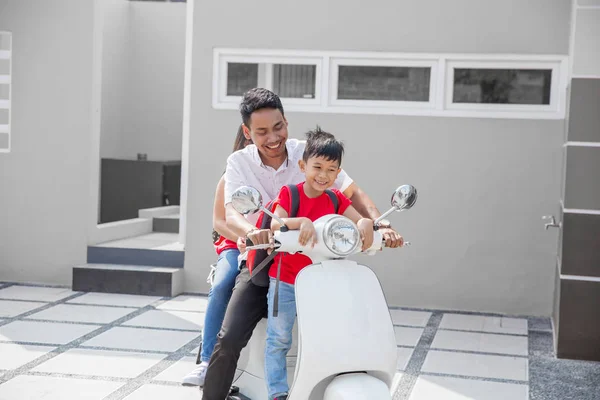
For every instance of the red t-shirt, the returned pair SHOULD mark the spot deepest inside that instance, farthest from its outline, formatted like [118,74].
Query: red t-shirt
[313,209]
[224,244]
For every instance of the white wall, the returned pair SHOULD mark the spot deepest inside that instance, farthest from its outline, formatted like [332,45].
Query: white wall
[115,67]
[479,242]
[44,181]
[142,89]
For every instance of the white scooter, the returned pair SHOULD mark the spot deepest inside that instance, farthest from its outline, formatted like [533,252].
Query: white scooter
[344,336]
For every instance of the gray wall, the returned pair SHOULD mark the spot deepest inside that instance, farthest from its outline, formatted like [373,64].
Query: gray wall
[142,88]
[484,184]
[44,180]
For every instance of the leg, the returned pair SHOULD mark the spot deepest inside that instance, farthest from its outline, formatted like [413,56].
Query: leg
[218,297]
[246,308]
[279,338]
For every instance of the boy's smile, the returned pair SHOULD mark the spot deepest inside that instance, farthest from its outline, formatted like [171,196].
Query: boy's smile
[320,174]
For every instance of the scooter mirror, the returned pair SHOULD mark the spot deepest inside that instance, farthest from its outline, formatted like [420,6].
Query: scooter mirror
[246,200]
[404,197]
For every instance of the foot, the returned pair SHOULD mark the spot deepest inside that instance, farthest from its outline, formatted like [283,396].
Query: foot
[196,377]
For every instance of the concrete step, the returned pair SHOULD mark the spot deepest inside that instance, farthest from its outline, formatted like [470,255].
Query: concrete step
[135,256]
[128,279]
[166,223]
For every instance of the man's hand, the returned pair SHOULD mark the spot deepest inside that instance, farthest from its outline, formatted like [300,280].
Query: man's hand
[260,236]
[392,238]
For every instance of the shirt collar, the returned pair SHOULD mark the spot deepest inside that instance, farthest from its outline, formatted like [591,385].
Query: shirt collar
[258,160]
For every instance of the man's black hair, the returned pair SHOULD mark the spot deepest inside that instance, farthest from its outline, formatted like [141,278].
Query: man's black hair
[323,144]
[257,99]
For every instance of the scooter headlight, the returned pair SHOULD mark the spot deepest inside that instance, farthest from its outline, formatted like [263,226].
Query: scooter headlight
[341,236]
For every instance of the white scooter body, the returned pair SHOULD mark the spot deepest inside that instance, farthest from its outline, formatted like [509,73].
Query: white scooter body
[343,326]
[344,337]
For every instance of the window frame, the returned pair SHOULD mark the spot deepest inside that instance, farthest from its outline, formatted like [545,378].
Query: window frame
[334,81]
[222,100]
[554,67]
[441,87]
[7,80]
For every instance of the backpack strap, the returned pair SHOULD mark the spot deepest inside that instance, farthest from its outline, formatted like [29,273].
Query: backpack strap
[334,200]
[295,200]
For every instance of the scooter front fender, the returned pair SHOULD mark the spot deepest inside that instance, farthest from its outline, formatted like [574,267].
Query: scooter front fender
[357,386]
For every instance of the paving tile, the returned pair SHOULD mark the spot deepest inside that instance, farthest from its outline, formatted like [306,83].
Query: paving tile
[480,342]
[77,313]
[407,336]
[178,370]
[25,387]
[35,293]
[157,392]
[436,387]
[14,355]
[12,308]
[112,299]
[484,323]
[141,339]
[43,332]
[476,365]
[412,318]
[169,319]
[404,355]
[185,303]
[100,363]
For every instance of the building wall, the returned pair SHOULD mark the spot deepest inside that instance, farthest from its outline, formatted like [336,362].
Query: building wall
[142,82]
[577,296]
[483,183]
[44,180]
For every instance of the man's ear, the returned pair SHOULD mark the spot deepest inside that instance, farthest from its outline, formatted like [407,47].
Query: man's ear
[246,132]
[302,165]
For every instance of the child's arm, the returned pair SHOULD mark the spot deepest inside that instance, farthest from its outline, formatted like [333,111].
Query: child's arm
[365,226]
[304,225]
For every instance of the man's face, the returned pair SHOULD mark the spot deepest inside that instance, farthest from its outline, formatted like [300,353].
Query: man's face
[268,131]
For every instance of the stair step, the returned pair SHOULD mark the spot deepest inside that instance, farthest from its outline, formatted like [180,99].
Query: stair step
[129,256]
[128,279]
[167,223]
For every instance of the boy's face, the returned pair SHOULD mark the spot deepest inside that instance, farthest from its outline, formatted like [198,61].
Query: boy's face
[320,172]
[268,131]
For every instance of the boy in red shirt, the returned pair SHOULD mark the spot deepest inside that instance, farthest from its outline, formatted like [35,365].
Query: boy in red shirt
[321,165]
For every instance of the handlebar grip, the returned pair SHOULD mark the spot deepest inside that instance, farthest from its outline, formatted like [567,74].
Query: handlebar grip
[249,242]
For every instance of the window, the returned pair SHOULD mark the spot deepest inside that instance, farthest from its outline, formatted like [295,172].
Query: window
[398,83]
[452,85]
[503,86]
[5,96]
[296,80]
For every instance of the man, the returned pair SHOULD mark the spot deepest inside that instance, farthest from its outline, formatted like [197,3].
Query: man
[269,164]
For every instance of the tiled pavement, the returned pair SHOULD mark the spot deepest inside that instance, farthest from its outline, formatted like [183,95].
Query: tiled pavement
[58,344]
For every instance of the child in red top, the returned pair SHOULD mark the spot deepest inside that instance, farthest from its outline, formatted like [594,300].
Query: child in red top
[321,165]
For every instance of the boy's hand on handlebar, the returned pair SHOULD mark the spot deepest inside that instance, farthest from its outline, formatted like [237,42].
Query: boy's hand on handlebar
[308,234]
[365,227]
[392,238]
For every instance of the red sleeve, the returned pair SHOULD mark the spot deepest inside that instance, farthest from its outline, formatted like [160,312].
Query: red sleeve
[283,199]
[343,201]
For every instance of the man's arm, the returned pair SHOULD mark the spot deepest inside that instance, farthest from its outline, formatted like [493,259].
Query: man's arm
[362,202]
[365,206]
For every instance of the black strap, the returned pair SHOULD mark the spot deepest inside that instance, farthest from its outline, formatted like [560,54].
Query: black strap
[295,200]
[334,199]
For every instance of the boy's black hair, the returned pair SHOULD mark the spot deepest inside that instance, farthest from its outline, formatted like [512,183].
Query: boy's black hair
[256,99]
[323,144]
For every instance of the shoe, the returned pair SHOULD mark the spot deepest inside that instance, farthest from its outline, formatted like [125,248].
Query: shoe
[196,377]
[282,397]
